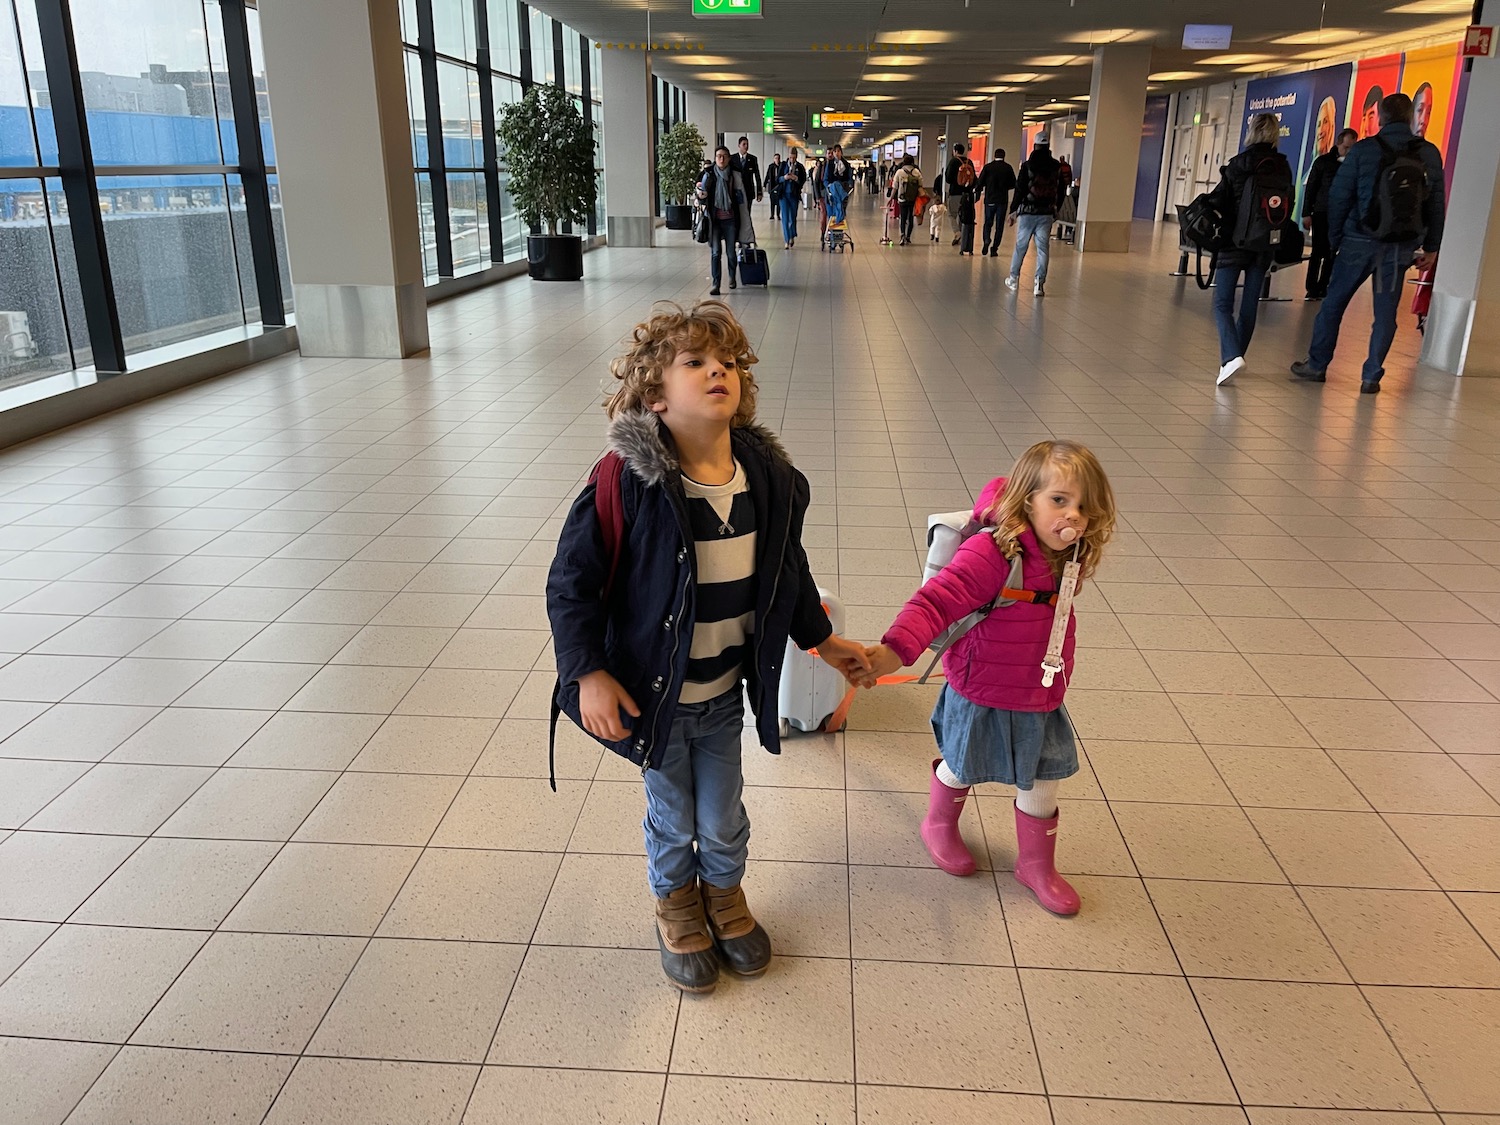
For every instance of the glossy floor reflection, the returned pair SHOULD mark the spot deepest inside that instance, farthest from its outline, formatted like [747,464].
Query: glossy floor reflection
[276,841]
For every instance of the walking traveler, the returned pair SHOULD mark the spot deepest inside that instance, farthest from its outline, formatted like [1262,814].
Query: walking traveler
[1315,213]
[1385,212]
[723,195]
[957,179]
[996,183]
[793,179]
[906,186]
[748,166]
[838,183]
[1040,187]
[773,183]
[1254,194]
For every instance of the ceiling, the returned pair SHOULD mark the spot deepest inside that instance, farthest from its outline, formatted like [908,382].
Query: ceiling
[915,60]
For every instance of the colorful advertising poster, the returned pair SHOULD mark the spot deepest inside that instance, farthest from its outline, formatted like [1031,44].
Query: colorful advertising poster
[978,148]
[1290,98]
[1429,78]
[900,150]
[1373,80]
[889,152]
[1330,97]
[911,143]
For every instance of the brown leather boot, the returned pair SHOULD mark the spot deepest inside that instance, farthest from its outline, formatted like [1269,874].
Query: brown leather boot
[687,947]
[744,947]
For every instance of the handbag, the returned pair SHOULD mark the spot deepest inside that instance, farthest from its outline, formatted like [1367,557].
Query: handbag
[700,225]
[1202,223]
[1288,251]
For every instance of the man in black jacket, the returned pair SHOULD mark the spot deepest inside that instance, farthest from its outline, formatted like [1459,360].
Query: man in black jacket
[953,190]
[1040,187]
[773,183]
[1315,213]
[745,163]
[997,181]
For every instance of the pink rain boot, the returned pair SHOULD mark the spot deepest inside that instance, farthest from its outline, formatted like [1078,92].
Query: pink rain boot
[940,827]
[1036,844]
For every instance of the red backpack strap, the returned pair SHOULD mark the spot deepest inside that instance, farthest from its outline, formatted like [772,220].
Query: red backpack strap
[610,509]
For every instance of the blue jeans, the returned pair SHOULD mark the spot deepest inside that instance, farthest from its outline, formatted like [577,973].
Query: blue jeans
[837,197]
[693,795]
[789,208]
[725,232]
[1032,228]
[1360,258]
[1234,338]
[994,219]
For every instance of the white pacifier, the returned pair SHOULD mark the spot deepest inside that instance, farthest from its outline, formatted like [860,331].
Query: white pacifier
[1068,534]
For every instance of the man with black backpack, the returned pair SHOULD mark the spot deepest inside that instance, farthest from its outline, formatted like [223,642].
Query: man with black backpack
[1039,189]
[1385,211]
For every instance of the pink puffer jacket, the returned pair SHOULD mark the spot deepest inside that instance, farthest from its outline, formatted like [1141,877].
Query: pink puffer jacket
[998,663]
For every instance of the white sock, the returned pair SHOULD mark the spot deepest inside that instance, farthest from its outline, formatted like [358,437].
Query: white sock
[1039,801]
[948,777]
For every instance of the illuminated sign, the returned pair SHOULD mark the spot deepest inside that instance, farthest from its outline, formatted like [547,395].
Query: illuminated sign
[768,116]
[1207,36]
[841,121]
[702,8]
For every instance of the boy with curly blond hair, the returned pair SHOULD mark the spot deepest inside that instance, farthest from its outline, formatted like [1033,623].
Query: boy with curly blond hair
[711,578]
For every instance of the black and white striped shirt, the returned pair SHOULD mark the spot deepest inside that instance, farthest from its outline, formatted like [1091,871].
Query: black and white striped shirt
[722,519]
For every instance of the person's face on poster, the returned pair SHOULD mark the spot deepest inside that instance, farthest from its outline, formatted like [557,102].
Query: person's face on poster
[1327,126]
[1372,114]
[1421,106]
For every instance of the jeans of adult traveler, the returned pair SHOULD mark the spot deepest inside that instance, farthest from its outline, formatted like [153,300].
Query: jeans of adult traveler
[908,217]
[994,218]
[694,795]
[1360,258]
[1320,261]
[1032,228]
[725,232]
[789,208]
[837,199]
[1234,336]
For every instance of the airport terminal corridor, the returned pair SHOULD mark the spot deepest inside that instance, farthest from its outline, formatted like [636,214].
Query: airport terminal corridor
[277,843]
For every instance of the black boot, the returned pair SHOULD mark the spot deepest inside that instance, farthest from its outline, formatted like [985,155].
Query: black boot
[744,947]
[687,947]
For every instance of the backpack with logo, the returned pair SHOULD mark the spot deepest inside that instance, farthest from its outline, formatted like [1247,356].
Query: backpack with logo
[911,187]
[1265,205]
[1042,194]
[946,533]
[1401,191]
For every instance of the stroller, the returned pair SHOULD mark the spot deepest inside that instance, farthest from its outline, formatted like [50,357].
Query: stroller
[836,234]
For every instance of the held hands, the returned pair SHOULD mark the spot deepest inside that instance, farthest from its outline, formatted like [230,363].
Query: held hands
[1011,220]
[882,660]
[848,657]
[600,698]
[1307,222]
[1424,258]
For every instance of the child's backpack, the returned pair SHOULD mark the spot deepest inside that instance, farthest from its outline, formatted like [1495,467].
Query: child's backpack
[611,511]
[1395,213]
[1265,205]
[946,533]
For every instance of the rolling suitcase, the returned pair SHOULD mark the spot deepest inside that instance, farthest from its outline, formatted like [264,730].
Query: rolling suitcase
[811,691]
[754,269]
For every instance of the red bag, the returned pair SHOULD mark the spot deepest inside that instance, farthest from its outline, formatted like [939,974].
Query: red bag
[611,512]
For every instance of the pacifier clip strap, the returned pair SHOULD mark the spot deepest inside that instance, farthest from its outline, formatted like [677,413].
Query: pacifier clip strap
[1052,663]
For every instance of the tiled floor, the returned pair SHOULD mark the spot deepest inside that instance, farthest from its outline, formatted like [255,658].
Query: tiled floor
[276,842]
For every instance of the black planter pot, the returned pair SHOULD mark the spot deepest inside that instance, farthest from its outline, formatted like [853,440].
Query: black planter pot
[555,257]
[679,216]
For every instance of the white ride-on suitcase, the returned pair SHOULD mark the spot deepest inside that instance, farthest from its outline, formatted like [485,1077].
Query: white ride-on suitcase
[811,691]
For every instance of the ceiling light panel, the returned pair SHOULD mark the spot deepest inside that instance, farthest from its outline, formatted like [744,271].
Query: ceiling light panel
[874,98]
[889,76]
[915,37]
[1177,75]
[1018,79]
[1055,60]
[1232,60]
[1324,35]
[897,60]
[1434,8]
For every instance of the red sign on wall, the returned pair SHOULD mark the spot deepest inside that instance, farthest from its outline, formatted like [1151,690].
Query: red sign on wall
[1479,42]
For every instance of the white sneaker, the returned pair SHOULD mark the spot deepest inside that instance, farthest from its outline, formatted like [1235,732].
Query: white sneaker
[1010,283]
[1039,290]
[1229,369]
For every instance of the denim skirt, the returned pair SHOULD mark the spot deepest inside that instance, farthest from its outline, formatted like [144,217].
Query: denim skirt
[1011,747]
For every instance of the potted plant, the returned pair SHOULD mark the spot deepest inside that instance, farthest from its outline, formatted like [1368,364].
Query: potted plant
[548,152]
[678,160]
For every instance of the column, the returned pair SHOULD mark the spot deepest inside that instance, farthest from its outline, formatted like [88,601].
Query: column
[349,194]
[629,148]
[1463,326]
[1007,119]
[956,125]
[701,112]
[930,153]
[1117,105]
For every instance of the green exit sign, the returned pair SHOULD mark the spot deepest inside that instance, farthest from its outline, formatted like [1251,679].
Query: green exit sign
[750,8]
[768,116]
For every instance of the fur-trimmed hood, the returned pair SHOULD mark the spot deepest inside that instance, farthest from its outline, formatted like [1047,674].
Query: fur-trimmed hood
[640,437]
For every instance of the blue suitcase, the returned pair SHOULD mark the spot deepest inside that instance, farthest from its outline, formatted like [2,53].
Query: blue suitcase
[754,269]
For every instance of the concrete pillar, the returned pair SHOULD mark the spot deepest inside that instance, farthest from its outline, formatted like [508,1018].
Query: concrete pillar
[929,153]
[1007,119]
[956,126]
[629,148]
[350,198]
[701,112]
[1463,326]
[1117,104]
